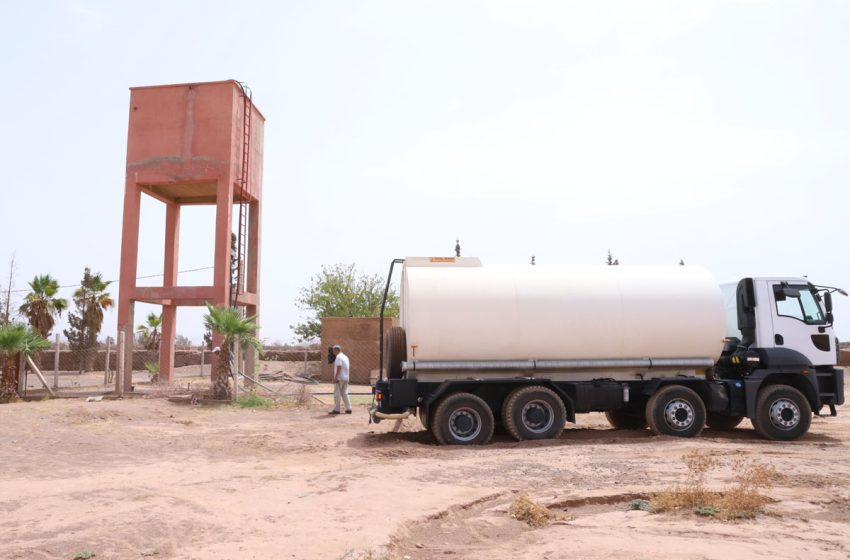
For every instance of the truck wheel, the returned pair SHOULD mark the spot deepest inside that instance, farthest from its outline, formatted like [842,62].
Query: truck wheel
[675,410]
[534,413]
[462,419]
[396,352]
[782,413]
[717,421]
[623,420]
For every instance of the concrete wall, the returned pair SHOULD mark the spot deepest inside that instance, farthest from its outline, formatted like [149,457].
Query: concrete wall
[359,338]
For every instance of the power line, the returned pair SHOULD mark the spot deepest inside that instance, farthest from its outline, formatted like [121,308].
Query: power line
[137,278]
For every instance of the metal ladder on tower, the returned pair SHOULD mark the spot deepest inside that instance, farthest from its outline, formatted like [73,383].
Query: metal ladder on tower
[242,226]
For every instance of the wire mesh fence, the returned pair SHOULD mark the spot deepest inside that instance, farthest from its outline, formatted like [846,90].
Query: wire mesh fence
[93,370]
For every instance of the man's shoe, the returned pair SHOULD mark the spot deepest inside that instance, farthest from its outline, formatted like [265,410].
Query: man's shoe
[348,412]
[333,412]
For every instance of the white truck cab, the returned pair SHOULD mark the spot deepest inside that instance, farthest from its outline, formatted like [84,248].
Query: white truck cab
[782,313]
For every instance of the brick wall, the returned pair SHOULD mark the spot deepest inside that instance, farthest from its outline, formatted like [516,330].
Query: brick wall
[360,341]
[844,357]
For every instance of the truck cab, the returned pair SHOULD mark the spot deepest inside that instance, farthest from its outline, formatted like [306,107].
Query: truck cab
[794,316]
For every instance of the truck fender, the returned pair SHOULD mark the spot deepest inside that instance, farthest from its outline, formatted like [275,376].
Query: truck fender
[793,378]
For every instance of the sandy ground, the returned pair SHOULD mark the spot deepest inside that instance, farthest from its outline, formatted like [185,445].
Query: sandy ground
[146,477]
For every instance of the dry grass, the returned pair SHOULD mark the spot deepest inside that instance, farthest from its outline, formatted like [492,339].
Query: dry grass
[534,514]
[742,500]
[303,396]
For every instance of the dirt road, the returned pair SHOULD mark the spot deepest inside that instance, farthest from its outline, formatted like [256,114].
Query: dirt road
[149,478]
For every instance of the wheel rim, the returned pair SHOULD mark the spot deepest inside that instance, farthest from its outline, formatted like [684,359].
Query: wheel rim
[784,414]
[537,416]
[465,424]
[679,414]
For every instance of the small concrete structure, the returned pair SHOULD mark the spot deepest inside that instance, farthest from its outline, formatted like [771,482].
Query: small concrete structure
[191,144]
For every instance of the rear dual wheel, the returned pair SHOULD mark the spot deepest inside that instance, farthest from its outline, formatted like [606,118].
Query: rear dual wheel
[534,413]
[462,419]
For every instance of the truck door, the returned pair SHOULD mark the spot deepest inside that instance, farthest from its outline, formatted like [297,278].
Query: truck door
[799,322]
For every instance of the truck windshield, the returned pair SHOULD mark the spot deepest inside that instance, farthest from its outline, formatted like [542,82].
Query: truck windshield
[803,307]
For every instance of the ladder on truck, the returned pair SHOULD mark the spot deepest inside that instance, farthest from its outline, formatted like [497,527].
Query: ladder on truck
[242,225]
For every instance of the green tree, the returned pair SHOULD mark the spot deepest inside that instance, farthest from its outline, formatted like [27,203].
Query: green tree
[340,291]
[41,306]
[229,323]
[91,300]
[150,331]
[15,339]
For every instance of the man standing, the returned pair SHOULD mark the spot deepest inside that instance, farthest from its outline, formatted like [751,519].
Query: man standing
[340,366]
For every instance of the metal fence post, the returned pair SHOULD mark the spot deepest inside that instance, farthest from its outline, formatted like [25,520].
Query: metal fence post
[22,379]
[119,379]
[56,364]
[236,366]
[106,364]
[202,360]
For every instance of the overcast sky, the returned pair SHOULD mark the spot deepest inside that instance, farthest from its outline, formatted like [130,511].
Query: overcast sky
[714,132]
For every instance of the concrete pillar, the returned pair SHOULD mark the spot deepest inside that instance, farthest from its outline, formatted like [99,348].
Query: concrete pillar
[127,278]
[253,278]
[223,230]
[169,312]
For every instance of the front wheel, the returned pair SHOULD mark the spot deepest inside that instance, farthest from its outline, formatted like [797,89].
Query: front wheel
[463,419]
[782,413]
[675,410]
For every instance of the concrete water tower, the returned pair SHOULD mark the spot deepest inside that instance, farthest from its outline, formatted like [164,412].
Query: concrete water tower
[192,144]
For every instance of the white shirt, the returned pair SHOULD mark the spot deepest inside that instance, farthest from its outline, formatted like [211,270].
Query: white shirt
[342,363]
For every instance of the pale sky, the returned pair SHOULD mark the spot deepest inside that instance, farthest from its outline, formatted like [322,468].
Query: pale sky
[717,132]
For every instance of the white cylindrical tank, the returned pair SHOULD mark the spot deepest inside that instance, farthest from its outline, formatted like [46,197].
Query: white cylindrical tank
[467,312]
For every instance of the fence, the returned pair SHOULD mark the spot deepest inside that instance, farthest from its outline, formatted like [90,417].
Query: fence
[94,369]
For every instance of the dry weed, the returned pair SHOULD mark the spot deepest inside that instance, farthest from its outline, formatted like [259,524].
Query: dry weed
[742,500]
[303,396]
[529,511]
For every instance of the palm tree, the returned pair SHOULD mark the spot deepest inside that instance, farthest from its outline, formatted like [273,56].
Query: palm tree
[150,331]
[229,323]
[15,339]
[91,299]
[41,307]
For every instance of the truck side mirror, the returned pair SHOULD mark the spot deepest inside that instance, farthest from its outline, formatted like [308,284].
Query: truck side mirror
[827,302]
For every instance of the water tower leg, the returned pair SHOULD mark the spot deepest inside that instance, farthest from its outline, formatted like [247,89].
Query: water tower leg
[169,312]
[166,347]
[127,284]
[253,278]
[223,231]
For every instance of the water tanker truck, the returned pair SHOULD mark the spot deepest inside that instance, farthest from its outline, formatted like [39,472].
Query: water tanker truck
[529,347]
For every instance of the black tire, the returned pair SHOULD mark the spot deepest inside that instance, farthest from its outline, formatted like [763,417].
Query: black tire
[625,420]
[675,410]
[534,412]
[396,352]
[782,413]
[717,421]
[462,419]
